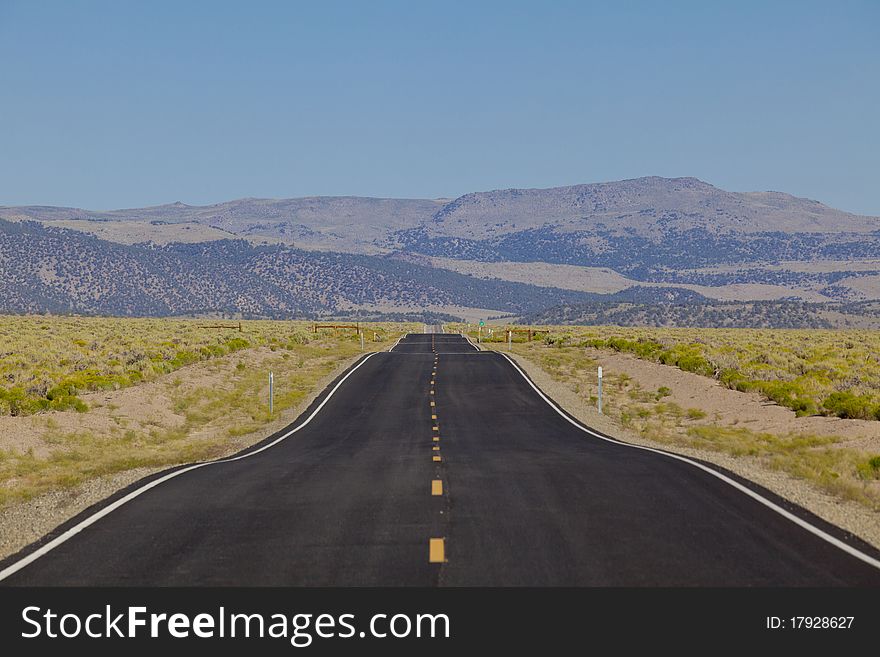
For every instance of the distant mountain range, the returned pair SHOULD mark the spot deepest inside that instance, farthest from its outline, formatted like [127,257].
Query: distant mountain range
[61,271]
[648,240]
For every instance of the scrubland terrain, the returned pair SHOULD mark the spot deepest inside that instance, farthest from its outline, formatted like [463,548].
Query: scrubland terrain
[648,251]
[90,405]
[794,410]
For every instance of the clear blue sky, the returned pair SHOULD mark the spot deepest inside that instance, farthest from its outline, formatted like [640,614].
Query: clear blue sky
[111,104]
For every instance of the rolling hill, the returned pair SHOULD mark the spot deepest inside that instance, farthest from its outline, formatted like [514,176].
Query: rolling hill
[507,251]
[48,269]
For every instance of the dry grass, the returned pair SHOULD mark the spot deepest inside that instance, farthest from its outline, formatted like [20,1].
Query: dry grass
[205,406]
[47,363]
[812,372]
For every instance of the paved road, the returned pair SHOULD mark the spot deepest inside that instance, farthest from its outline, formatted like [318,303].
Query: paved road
[510,492]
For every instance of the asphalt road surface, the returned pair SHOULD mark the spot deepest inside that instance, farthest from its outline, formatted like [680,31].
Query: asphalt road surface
[440,465]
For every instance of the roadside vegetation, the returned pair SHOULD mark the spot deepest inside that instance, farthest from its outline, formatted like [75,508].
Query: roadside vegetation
[812,372]
[831,373]
[47,363]
[99,396]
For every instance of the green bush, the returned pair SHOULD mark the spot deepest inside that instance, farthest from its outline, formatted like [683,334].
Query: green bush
[212,351]
[235,344]
[697,364]
[646,349]
[869,469]
[183,358]
[849,405]
[732,378]
[803,406]
[11,401]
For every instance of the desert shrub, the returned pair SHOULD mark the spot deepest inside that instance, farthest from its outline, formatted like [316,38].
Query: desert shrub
[48,364]
[183,358]
[731,378]
[690,362]
[646,349]
[212,351]
[235,344]
[803,406]
[849,405]
[12,401]
[870,468]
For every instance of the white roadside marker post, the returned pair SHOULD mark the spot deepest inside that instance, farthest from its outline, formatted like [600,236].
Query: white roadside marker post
[362,340]
[600,390]
[271,393]
[509,339]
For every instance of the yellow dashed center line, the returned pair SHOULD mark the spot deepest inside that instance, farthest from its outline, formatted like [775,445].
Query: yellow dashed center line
[436,546]
[436,551]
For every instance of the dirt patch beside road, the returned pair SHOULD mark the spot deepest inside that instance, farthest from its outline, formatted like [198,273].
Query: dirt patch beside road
[730,407]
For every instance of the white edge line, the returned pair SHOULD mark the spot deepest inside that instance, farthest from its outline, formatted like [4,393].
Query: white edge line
[391,348]
[466,337]
[95,517]
[743,489]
